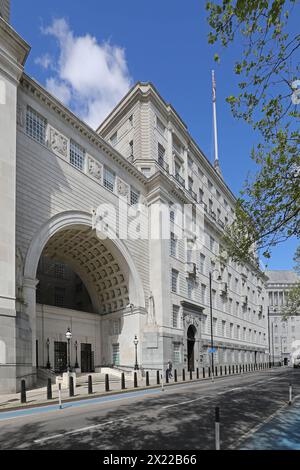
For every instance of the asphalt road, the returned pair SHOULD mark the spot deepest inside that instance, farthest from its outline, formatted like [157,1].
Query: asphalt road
[179,418]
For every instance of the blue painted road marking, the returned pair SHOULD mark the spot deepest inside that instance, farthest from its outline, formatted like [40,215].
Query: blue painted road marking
[74,404]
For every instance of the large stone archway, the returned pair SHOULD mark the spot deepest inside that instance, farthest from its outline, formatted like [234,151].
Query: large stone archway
[105,267]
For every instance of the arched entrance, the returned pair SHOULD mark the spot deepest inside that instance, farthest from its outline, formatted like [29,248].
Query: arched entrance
[191,332]
[103,278]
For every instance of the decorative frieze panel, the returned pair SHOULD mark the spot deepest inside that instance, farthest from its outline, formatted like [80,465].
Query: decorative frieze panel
[58,143]
[21,115]
[94,168]
[123,189]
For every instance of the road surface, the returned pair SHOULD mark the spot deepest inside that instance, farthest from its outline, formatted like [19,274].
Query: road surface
[181,417]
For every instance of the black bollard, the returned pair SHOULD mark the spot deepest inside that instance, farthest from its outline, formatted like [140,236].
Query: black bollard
[229,370]
[209,372]
[157,377]
[123,381]
[135,384]
[167,376]
[147,379]
[90,385]
[203,372]
[183,374]
[225,370]
[49,389]
[106,382]
[175,375]
[221,370]
[216,369]
[191,374]
[71,386]
[197,373]
[23,391]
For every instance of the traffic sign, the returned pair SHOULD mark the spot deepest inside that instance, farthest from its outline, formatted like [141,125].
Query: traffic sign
[212,350]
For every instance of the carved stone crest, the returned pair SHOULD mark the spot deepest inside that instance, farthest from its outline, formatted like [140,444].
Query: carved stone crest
[58,143]
[94,168]
[191,320]
[122,188]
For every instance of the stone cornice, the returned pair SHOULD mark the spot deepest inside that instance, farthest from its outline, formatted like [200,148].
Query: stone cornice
[31,86]
[145,92]
[13,52]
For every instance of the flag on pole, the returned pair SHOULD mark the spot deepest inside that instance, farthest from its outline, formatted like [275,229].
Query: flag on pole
[213,87]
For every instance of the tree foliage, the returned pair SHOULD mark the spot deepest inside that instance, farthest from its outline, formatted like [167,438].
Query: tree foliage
[268,211]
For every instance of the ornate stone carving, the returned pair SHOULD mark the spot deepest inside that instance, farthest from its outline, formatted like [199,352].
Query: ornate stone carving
[21,115]
[19,274]
[122,188]
[191,320]
[58,143]
[151,310]
[94,168]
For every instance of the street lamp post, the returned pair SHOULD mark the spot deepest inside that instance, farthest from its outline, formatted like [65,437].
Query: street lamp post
[48,358]
[269,336]
[135,342]
[76,359]
[68,336]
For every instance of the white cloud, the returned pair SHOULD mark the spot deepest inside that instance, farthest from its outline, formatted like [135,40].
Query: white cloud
[44,60]
[88,76]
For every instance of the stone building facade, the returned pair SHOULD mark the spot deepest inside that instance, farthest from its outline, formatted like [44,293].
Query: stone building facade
[55,174]
[283,332]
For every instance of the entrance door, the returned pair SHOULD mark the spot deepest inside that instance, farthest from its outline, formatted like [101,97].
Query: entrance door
[191,346]
[87,358]
[60,356]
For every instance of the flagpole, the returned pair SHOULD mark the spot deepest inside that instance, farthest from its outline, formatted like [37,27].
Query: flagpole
[216,159]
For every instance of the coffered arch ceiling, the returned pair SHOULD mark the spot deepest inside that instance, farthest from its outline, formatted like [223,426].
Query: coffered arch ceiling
[104,275]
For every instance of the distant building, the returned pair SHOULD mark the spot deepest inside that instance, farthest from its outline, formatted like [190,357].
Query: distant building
[282,332]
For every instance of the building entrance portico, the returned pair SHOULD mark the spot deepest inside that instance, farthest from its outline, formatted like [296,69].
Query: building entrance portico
[85,284]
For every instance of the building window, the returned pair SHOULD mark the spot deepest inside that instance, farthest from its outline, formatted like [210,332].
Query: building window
[114,139]
[202,264]
[131,148]
[116,327]
[190,288]
[59,296]
[203,293]
[161,154]
[173,245]
[146,171]
[231,330]
[59,270]
[215,326]
[134,196]
[160,126]
[201,194]
[116,354]
[76,155]
[211,243]
[223,328]
[175,316]
[174,280]
[176,353]
[109,179]
[35,125]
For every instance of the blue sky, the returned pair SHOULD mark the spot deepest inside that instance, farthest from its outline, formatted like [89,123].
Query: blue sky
[164,42]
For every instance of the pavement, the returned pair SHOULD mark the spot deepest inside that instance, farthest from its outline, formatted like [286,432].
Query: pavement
[180,417]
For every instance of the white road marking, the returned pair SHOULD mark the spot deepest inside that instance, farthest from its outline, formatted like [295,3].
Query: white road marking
[79,430]
[183,403]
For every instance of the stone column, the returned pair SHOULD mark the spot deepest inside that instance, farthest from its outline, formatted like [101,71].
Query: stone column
[13,52]
[170,151]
